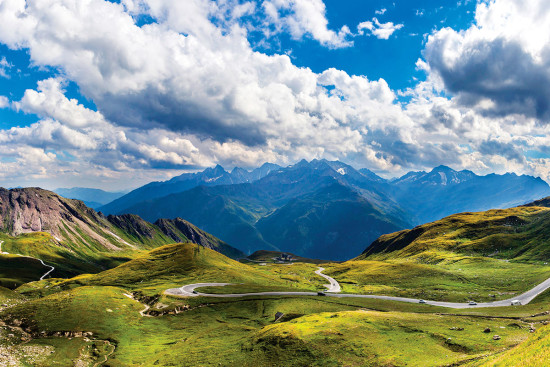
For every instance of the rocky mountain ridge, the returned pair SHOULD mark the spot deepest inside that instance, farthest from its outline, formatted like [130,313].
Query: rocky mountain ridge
[82,230]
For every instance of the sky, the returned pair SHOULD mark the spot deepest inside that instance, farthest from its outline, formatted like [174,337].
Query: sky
[115,94]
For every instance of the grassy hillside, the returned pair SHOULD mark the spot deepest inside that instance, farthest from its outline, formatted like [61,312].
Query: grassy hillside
[172,266]
[521,234]
[75,239]
[94,318]
[481,256]
[315,332]
[533,352]
[369,338]
[456,278]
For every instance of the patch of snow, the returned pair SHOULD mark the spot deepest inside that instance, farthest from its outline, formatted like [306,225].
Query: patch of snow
[341,171]
[443,178]
[212,179]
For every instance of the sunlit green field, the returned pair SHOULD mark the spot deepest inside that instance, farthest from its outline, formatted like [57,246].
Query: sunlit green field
[481,279]
[122,315]
[316,331]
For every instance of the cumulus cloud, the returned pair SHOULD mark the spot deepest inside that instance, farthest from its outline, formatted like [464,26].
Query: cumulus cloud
[377,29]
[49,101]
[506,150]
[501,64]
[207,83]
[305,17]
[187,90]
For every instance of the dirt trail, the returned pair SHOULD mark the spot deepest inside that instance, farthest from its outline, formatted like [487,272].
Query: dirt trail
[30,257]
[142,312]
[106,356]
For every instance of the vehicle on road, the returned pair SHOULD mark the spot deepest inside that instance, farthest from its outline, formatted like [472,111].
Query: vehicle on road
[195,292]
[321,294]
[472,303]
[421,301]
[515,302]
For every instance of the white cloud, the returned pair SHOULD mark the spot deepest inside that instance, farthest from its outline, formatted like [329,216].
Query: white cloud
[501,64]
[4,102]
[188,91]
[4,67]
[381,11]
[379,30]
[305,17]
[49,101]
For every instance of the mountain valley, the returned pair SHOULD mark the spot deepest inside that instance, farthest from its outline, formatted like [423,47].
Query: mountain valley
[321,209]
[125,291]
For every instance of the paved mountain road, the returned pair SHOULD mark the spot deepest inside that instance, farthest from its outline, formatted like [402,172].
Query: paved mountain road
[332,291]
[333,287]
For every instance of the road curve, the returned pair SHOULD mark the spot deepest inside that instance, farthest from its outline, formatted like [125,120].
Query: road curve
[189,291]
[333,287]
[30,257]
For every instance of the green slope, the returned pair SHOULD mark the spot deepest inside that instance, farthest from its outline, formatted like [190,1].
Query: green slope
[75,239]
[168,266]
[481,256]
[533,352]
[520,233]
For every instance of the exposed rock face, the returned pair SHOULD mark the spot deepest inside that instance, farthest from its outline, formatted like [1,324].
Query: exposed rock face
[37,210]
[133,225]
[72,223]
[83,230]
[181,230]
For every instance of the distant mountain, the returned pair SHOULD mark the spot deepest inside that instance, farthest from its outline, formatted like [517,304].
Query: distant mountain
[322,209]
[93,198]
[334,223]
[350,207]
[209,177]
[77,238]
[443,191]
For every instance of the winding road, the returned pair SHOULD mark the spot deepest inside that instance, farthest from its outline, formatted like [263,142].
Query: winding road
[334,289]
[30,257]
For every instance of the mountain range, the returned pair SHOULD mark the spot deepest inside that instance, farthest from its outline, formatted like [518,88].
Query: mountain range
[93,198]
[74,238]
[320,209]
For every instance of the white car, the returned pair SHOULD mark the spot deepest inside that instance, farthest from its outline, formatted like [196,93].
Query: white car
[421,301]
[472,303]
[516,302]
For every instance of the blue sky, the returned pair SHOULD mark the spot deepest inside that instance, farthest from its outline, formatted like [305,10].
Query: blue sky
[116,94]
[393,59]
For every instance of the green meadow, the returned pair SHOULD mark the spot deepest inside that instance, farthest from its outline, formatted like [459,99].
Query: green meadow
[122,317]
